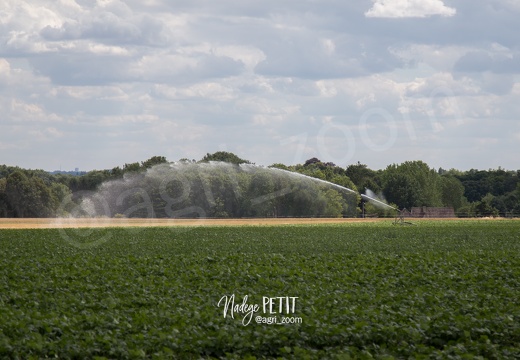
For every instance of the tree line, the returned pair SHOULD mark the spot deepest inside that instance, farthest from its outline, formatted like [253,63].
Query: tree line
[224,185]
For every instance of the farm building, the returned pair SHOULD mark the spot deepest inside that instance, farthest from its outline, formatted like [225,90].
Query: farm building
[430,212]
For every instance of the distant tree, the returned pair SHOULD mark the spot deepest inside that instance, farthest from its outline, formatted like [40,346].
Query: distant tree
[364,177]
[4,202]
[219,209]
[279,166]
[19,193]
[485,207]
[412,183]
[224,156]
[116,172]
[401,189]
[62,198]
[29,196]
[155,160]
[467,210]
[374,211]
[42,203]
[92,179]
[334,205]
[508,204]
[312,161]
[133,167]
[452,192]
[331,173]
[261,190]
[478,183]
[516,209]
[313,171]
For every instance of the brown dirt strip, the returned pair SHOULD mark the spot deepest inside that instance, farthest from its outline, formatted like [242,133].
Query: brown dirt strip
[46,223]
[49,223]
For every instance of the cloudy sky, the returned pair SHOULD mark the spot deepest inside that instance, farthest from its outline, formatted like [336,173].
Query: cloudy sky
[97,84]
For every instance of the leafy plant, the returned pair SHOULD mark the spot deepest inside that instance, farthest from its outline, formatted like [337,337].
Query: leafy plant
[436,290]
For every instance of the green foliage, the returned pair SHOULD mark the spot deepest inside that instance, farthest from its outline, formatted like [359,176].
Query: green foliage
[221,190]
[478,183]
[154,160]
[363,177]
[4,200]
[29,196]
[485,206]
[224,156]
[375,211]
[365,290]
[133,167]
[452,192]
[336,175]
[279,166]
[335,203]
[412,183]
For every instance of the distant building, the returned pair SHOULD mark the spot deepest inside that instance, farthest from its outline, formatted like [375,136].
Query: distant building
[430,212]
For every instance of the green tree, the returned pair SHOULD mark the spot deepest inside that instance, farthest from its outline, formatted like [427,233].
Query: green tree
[92,179]
[262,194]
[224,156]
[116,172]
[334,205]
[364,177]
[412,183]
[279,166]
[400,188]
[374,211]
[485,206]
[452,192]
[42,202]
[329,172]
[62,198]
[155,160]
[4,202]
[133,167]
[29,196]
[19,193]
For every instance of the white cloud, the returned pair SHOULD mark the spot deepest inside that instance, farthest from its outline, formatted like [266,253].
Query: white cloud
[409,9]
[90,92]
[45,134]
[101,83]
[30,115]
[435,56]
[207,90]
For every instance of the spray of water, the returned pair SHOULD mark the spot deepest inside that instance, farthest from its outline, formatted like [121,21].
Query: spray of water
[377,201]
[213,189]
[290,173]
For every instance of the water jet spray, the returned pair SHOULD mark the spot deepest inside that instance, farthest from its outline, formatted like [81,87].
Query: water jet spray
[399,216]
[377,202]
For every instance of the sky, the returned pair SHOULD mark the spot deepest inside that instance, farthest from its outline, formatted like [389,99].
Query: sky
[94,84]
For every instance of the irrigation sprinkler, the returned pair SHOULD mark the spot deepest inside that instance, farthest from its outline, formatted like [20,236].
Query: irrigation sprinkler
[399,216]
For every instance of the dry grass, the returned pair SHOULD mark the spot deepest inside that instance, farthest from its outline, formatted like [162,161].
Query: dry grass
[109,222]
[47,223]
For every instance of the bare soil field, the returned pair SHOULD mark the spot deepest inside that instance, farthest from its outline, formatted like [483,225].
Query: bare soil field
[48,223]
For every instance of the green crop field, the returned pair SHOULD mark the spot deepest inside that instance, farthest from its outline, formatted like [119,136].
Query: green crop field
[443,289]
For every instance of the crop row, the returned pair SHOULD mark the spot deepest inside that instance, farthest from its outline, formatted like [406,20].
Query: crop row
[435,290]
